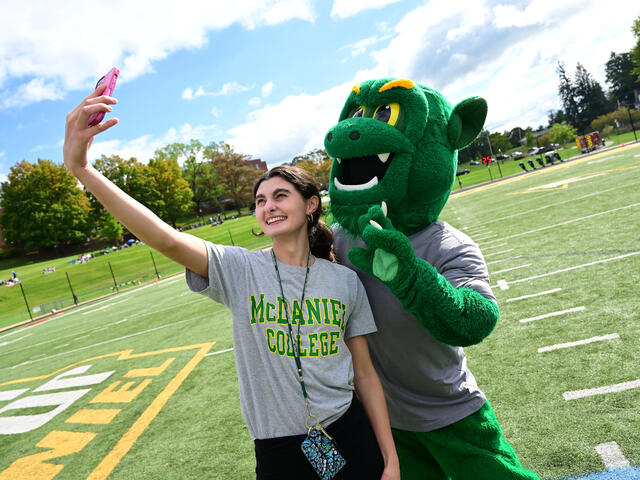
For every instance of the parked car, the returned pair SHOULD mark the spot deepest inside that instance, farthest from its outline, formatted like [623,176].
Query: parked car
[546,148]
[462,172]
[517,155]
[502,157]
[473,162]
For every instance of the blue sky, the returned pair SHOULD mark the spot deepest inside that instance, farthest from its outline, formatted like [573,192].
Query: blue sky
[270,76]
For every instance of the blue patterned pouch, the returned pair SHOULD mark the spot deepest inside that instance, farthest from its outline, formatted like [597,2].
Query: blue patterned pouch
[322,453]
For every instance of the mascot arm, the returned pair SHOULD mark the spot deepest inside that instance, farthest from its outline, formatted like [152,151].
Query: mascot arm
[455,316]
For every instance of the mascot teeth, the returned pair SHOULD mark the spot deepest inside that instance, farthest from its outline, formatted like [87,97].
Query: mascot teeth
[371,183]
[375,224]
[383,206]
[338,160]
[383,157]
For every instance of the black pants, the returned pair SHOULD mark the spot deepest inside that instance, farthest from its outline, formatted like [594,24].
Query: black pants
[282,459]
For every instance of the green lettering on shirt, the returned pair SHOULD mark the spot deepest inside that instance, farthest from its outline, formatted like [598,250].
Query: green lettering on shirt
[313,310]
[257,309]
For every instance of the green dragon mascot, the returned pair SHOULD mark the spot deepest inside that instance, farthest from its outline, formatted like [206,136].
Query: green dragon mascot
[395,160]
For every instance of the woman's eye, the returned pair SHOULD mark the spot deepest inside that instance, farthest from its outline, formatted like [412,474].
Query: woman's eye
[359,112]
[387,113]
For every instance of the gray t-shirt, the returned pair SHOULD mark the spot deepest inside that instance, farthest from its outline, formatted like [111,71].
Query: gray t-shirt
[335,308]
[427,383]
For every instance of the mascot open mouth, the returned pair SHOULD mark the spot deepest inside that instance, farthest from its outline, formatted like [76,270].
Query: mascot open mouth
[361,173]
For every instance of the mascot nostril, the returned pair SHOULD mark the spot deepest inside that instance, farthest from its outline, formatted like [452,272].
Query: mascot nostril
[329,137]
[427,283]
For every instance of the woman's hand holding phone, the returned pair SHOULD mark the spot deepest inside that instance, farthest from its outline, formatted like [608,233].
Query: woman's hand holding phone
[78,134]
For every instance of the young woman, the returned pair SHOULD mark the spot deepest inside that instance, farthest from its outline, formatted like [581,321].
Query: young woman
[299,320]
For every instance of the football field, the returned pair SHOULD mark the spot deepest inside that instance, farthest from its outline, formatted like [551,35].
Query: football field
[142,385]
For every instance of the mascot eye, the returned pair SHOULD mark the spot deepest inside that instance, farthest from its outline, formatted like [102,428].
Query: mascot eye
[387,113]
[359,112]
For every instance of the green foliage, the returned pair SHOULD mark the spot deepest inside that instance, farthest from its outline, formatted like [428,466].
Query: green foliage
[562,133]
[43,206]
[621,79]
[171,191]
[635,51]
[617,119]
[109,227]
[232,169]
[317,163]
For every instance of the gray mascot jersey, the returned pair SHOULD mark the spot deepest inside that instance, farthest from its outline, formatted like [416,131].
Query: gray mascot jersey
[335,308]
[427,383]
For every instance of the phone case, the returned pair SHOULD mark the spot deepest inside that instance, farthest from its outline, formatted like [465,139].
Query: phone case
[110,79]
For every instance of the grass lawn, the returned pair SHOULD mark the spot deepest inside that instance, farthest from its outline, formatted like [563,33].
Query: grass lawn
[93,279]
[160,398]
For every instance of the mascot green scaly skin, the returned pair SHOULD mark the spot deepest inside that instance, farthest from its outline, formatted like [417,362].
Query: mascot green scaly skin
[395,159]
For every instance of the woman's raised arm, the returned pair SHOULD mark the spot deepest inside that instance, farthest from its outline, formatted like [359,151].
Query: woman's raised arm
[181,247]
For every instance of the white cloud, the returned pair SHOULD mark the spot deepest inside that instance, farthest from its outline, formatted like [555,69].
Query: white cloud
[255,102]
[35,90]
[3,177]
[216,112]
[62,45]
[144,147]
[267,88]
[226,89]
[276,133]
[462,48]
[348,8]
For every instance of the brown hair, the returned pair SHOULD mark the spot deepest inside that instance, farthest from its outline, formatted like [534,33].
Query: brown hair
[320,236]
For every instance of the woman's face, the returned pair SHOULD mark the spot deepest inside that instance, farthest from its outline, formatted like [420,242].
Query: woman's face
[281,209]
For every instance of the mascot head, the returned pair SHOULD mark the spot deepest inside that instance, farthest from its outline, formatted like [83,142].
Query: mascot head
[397,142]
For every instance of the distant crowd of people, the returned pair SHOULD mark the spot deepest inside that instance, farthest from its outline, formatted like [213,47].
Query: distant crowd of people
[13,280]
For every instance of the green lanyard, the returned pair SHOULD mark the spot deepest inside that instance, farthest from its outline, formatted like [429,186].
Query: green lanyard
[296,353]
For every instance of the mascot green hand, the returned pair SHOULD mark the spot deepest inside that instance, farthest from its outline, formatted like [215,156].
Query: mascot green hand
[395,159]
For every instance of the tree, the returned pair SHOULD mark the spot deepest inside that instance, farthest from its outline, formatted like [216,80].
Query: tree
[562,133]
[590,97]
[499,143]
[635,51]
[236,175]
[621,79]
[109,227]
[317,163]
[43,206]
[556,116]
[172,195]
[567,95]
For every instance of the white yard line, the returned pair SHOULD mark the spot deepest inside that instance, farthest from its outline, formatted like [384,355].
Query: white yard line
[13,341]
[568,222]
[113,340]
[589,392]
[106,306]
[512,268]
[498,253]
[496,246]
[611,455]
[605,260]
[219,352]
[481,238]
[503,285]
[551,205]
[586,341]
[553,314]
[493,262]
[546,292]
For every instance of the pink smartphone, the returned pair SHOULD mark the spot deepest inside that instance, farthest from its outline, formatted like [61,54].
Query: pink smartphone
[110,79]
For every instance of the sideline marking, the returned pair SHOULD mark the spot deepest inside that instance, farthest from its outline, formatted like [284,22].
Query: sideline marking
[219,352]
[498,253]
[480,236]
[577,161]
[568,222]
[589,392]
[512,268]
[605,260]
[503,285]
[611,455]
[546,292]
[558,346]
[13,341]
[553,314]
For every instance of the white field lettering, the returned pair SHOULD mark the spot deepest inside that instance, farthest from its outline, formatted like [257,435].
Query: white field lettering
[70,391]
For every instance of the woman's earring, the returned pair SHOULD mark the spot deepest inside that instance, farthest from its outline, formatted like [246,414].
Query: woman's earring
[310,217]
